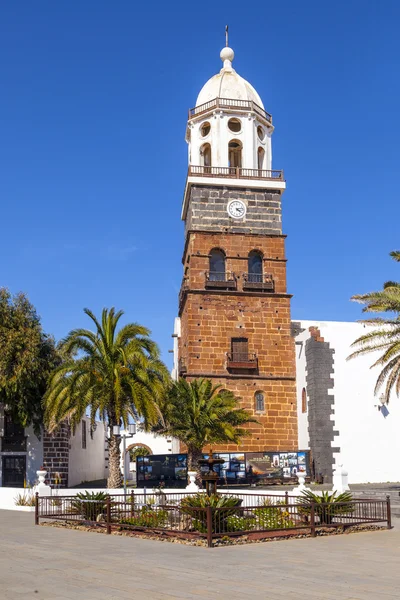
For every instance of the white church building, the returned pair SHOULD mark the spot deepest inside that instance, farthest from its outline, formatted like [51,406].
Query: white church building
[340,419]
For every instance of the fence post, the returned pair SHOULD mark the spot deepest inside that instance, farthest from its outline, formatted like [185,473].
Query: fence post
[209,526]
[108,514]
[132,504]
[37,508]
[286,497]
[312,520]
[389,512]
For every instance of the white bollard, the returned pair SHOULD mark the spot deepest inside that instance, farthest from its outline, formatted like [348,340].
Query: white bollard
[41,488]
[340,480]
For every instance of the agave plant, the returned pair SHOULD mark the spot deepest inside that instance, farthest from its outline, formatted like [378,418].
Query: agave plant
[327,505]
[90,505]
[196,507]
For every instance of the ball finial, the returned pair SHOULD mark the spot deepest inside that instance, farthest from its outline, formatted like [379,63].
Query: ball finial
[227,55]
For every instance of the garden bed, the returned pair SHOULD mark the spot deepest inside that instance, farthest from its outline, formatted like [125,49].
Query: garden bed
[194,540]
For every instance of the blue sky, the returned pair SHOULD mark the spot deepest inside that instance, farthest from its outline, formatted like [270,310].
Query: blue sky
[93,108]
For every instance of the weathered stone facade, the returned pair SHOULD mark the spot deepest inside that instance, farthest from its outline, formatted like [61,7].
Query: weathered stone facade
[56,455]
[319,360]
[207,210]
[210,318]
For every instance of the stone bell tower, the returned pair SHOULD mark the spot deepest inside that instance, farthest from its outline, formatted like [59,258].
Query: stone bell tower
[234,309]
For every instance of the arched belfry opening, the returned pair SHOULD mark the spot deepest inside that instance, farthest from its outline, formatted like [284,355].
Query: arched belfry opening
[235,148]
[205,155]
[260,158]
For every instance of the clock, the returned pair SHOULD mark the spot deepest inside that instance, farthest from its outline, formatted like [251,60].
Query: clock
[236,209]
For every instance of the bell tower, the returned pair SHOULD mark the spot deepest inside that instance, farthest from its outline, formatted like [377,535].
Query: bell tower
[234,309]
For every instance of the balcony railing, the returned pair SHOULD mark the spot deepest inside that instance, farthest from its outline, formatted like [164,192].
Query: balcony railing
[230,104]
[13,444]
[242,360]
[235,173]
[258,281]
[225,280]
[182,368]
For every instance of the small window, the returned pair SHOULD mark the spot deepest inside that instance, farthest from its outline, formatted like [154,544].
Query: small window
[234,125]
[260,132]
[303,401]
[205,129]
[260,404]
[83,435]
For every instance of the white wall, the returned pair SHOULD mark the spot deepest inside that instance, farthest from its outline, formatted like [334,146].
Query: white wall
[158,444]
[87,464]
[369,443]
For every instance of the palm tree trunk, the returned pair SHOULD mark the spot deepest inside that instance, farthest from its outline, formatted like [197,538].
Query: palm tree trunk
[114,456]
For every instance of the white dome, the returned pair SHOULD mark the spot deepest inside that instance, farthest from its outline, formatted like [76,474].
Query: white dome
[228,84]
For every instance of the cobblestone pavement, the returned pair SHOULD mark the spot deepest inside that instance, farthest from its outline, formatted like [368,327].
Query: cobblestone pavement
[45,562]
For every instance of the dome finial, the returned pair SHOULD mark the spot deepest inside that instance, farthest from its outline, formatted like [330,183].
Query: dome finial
[227,54]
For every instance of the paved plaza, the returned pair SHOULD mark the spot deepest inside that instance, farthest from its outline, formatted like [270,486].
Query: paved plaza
[49,563]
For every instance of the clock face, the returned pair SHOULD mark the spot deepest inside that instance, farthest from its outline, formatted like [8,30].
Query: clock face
[236,209]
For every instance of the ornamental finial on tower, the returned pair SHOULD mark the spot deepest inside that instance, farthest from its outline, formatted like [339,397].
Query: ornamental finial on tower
[227,54]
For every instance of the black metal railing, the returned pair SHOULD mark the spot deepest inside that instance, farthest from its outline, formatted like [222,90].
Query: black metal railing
[222,279]
[258,281]
[182,368]
[242,360]
[13,443]
[255,516]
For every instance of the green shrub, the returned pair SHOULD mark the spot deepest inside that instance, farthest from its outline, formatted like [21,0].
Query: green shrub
[237,523]
[327,505]
[147,517]
[90,505]
[270,516]
[229,504]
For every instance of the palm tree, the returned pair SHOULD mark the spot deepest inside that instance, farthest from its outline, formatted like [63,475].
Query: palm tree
[198,413]
[385,336]
[114,374]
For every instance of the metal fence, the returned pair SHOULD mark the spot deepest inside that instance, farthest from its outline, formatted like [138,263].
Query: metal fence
[254,515]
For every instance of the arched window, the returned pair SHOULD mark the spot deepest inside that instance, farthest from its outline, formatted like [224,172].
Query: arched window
[260,158]
[259,400]
[205,155]
[303,401]
[217,265]
[235,153]
[255,267]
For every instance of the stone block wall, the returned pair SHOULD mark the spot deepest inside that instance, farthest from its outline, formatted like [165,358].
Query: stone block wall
[56,455]
[207,210]
[319,364]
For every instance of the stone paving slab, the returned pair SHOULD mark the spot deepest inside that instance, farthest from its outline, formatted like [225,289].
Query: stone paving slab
[46,563]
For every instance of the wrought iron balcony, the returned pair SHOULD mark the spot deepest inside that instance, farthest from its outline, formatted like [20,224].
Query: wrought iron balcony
[233,104]
[234,172]
[258,281]
[182,368]
[13,443]
[183,291]
[225,280]
[242,360]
